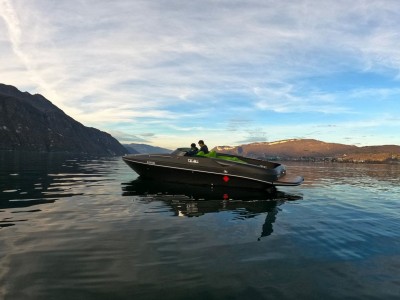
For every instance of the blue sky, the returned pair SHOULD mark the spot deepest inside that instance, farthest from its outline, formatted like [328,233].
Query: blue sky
[169,73]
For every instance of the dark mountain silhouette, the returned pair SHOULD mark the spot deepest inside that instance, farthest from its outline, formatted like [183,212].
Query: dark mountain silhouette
[309,149]
[32,123]
[134,148]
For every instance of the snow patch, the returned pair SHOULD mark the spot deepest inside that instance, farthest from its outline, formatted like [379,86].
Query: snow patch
[281,142]
[219,148]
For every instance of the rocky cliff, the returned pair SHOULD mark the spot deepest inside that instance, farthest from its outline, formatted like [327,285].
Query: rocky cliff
[32,123]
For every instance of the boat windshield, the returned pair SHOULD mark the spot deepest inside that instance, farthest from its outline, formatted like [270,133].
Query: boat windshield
[181,151]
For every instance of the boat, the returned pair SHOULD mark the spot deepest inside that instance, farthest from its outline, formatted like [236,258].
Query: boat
[215,169]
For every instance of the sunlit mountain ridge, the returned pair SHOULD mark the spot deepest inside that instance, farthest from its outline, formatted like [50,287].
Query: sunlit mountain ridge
[311,149]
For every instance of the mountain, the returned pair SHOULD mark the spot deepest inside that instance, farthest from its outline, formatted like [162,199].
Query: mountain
[310,149]
[32,123]
[130,149]
[134,148]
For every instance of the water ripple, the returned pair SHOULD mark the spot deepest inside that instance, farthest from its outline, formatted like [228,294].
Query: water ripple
[84,228]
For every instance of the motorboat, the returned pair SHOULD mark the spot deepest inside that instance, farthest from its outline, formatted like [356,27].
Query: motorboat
[215,169]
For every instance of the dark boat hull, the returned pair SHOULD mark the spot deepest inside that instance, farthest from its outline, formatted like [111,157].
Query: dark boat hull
[208,171]
[194,177]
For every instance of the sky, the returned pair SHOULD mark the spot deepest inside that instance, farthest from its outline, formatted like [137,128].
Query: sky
[168,73]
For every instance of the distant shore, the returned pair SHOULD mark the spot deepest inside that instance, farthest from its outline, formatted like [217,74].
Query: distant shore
[333,160]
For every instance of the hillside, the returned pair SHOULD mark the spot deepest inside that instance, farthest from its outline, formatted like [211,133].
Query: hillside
[135,148]
[32,123]
[309,149]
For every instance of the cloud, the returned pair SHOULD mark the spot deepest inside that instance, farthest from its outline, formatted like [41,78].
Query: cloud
[200,66]
[17,41]
[238,124]
[285,99]
[252,139]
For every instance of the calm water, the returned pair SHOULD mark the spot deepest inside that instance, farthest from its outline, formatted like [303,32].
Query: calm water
[73,228]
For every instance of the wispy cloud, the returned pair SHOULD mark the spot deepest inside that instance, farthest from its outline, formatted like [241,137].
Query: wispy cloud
[284,99]
[199,65]
[17,41]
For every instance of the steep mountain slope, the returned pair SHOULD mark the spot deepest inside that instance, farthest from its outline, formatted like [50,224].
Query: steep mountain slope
[134,148]
[32,123]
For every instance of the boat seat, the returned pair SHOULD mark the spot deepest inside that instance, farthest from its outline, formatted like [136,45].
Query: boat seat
[213,154]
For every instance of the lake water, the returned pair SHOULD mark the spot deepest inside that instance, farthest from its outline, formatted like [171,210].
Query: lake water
[86,228]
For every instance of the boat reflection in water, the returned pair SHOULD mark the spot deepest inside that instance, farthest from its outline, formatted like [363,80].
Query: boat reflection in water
[195,201]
